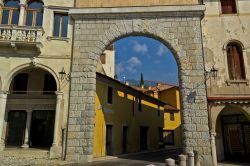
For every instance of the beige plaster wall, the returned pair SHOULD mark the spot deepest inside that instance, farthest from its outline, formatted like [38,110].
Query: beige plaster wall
[218,30]
[123,3]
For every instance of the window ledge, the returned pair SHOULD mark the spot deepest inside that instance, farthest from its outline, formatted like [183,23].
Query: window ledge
[58,38]
[229,82]
[229,14]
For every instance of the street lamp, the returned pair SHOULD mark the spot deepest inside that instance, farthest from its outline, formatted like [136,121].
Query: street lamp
[212,73]
[63,75]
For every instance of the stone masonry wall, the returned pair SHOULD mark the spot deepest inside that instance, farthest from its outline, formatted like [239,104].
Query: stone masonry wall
[182,34]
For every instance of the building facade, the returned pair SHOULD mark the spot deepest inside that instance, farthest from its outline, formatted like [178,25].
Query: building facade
[35,45]
[226,47]
[126,120]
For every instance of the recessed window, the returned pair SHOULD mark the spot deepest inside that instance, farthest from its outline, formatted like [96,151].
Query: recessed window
[20,83]
[235,62]
[110,95]
[171,116]
[103,58]
[10,12]
[34,13]
[228,6]
[60,25]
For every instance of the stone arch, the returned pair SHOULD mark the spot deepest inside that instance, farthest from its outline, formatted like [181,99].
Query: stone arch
[239,43]
[181,34]
[237,109]
[23,67]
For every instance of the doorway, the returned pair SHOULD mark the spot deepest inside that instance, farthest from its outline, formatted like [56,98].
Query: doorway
[143,138]
[42,128]
[124,138]
[16,127]
[109,139]
[236,137]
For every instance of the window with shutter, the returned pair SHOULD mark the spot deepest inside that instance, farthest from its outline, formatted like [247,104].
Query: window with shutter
[235,62]
[228,6]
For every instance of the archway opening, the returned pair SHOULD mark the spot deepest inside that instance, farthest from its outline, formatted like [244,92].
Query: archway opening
[233,135]
[30,112]
[137,105]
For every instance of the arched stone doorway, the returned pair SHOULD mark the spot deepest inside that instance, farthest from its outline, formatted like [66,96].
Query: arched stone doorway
[95,29]
[32,110]
[233,134]
[30,113]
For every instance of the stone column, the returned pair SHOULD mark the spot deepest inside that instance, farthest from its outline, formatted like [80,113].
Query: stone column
[191,159]
[170,162]
[21,15]
[27,129]
[3,101]
[182,160]
[56,149]
[213,146]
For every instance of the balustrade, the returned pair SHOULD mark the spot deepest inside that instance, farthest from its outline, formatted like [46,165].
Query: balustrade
[15,34]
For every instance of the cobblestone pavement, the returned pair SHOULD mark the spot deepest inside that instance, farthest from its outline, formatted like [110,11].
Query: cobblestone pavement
[156,158]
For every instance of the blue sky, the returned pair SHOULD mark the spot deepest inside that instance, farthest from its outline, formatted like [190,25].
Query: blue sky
[136,55]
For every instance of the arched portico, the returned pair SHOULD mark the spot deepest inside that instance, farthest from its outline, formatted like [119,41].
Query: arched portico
[96,28]
[232,125]
[31,105]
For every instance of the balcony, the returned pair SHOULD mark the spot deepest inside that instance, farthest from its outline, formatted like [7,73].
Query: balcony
[21,39]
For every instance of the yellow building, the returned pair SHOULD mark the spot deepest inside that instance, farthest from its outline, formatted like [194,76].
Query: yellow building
[126,120]
[172,118]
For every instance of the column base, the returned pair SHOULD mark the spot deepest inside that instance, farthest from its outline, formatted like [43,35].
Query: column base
[55,152]
[25,146]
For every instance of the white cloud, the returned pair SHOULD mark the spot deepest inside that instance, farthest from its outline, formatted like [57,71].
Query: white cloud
[128,66]
[132,64]
[161,50]
[140,48]
[119,68]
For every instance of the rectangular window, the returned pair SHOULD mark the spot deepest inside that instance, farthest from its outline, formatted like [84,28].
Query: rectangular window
[60,25]
[228,6]
[110,95]
[20,83]
[171,116]
[10,16]
[168,137]
[103,58]
[49,85]
[34,17]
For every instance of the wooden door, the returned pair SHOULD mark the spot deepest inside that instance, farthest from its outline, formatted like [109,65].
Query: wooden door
[109,139]
[143,138]
[16,127]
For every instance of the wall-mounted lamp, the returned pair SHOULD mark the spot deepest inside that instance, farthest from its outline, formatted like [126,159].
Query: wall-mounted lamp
[212,73]
[63,75]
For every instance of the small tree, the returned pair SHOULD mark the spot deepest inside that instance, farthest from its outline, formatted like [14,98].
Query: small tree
[141,81]
[116,77]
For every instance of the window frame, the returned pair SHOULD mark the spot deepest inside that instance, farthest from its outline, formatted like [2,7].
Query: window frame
[242,62]
[10,14]
[34,14]
[110,97]
[233,13]
[60,27]
[171,116]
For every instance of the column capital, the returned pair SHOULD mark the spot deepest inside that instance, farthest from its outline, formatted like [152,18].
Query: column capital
[3,94]
[29,111]
[59,94]
[213,134]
